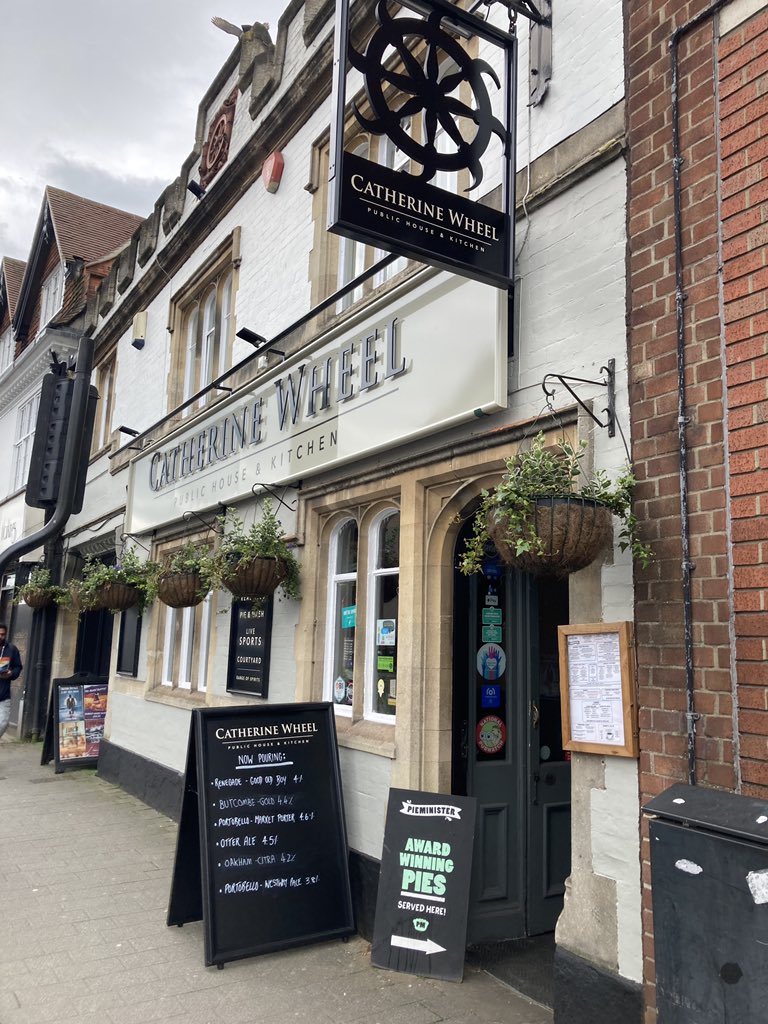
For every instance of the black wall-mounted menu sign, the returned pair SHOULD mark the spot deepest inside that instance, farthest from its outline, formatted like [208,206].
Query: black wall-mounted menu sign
[79,706]
[250,640]
[426,866]
[261,854]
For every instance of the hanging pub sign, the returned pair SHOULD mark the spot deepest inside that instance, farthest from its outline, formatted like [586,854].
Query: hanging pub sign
[437,117]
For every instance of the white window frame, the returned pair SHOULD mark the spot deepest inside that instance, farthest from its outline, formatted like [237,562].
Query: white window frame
[105,376]
[374,575]
[6,350]
[334,611]
[51,295]
[179,669]
[391,156]
[207,316]
[26,421]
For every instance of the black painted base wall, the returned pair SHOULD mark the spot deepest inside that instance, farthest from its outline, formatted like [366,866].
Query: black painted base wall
[154,784]
[587,994]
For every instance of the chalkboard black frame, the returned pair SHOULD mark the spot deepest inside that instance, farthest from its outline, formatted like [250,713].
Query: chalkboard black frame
[260,924]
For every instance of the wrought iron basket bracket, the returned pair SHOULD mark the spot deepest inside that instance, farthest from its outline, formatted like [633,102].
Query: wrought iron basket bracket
[609,383]
[528,9]
[134,538]
[269,489]
[191,514]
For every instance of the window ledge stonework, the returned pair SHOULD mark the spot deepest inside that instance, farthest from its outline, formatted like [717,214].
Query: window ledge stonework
[371,737]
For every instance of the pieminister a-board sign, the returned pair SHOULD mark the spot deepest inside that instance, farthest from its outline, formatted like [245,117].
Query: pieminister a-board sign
[261,855]
[426,866]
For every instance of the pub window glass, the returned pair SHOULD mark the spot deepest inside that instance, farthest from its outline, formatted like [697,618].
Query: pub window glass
[342,616]
[383,625]
[129,642]
[186,635]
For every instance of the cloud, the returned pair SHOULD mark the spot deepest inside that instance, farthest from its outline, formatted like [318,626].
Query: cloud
[105,102]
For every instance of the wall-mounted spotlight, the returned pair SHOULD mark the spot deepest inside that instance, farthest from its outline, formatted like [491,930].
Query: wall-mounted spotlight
[196,189]
[130,431]
[251,337]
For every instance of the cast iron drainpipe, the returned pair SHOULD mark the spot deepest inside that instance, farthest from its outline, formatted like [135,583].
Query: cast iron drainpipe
[682,420]
[72,447]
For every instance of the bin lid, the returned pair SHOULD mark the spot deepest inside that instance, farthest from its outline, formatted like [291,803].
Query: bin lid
[714,810]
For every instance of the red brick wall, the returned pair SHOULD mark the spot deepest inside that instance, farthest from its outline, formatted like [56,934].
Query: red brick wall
[723,91]
[743,72]
[654,405]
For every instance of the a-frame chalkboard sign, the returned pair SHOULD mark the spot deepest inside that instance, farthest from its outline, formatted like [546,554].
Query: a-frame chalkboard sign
[261,855]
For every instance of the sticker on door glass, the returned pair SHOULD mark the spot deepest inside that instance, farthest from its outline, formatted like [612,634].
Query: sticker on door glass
[491,661]
[339,690]
[491,734]
[491,634]
[492,616]
[490,696]
[385,632]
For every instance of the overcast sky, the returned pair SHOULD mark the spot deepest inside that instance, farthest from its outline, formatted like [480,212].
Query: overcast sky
[100,98]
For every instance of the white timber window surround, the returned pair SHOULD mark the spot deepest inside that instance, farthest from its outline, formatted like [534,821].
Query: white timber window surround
[51,294]
[183,638]
[6,350]
[26,420]
[186,634]
[382,625]
[342,617]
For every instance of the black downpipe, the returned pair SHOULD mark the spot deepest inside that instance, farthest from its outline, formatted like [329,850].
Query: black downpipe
[682,419]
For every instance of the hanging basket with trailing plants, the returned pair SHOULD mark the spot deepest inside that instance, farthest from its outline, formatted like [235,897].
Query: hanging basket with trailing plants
[129,583]
[257,577]
[548,517]
[38,591]
[573,531]
[185,578]
[252,563]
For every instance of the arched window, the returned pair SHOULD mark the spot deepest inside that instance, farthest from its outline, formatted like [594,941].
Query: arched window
[342,615]
[382,625]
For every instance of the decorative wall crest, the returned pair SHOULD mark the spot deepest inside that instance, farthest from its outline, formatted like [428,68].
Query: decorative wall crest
[216,146]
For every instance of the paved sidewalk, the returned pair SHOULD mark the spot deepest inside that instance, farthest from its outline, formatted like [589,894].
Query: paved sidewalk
[85,875]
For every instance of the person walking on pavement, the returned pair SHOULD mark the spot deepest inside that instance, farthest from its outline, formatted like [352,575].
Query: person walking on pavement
[10,668]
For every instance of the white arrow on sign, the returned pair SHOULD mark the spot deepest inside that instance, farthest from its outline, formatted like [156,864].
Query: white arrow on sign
[421,945]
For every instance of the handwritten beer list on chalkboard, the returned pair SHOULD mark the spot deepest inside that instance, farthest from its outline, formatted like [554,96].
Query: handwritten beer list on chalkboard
[274,855]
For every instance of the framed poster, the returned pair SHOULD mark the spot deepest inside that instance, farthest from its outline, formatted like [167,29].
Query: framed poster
[261,854]
[597,678]
[250,641]
[79,713]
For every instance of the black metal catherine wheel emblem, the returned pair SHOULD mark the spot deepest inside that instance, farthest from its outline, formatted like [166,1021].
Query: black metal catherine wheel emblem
[398,90]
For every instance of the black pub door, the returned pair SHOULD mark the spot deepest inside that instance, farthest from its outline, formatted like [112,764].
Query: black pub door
[94,642]
[507,749]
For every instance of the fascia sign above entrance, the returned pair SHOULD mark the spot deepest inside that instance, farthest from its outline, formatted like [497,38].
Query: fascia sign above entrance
[432,100]
[433,358]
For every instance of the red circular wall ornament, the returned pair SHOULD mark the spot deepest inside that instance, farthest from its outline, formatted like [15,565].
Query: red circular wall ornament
[273,171]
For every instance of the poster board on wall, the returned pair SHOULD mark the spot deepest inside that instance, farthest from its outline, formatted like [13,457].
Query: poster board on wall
[597,678]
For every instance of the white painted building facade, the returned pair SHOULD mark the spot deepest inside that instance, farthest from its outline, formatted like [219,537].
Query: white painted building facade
[416,468]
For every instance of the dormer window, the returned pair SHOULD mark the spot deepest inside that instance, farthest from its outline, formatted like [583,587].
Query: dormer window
[52,295]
